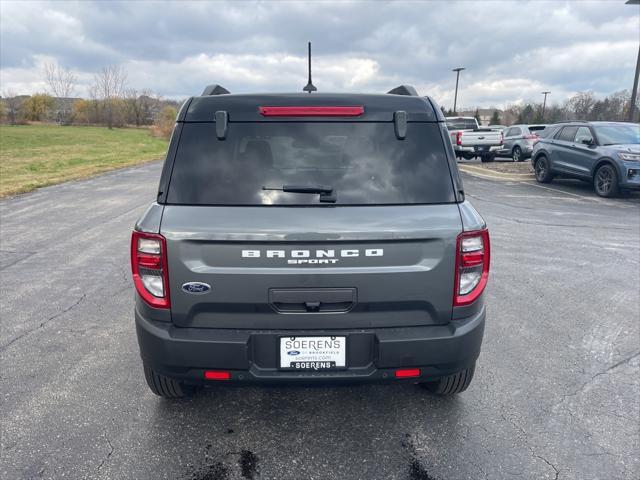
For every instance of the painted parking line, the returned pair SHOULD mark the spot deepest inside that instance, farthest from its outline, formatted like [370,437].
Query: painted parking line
[475,168]
[515,178]
[488,176]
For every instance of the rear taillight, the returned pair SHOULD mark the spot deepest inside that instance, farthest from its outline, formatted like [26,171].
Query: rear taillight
[472,266]
[459,137]
[149,268]
[530,137]
[501,138]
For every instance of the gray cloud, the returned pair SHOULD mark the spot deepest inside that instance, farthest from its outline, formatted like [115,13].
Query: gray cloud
[512,50]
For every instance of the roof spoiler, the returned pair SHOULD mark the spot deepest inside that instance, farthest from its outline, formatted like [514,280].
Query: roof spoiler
[404,90]
[215,89]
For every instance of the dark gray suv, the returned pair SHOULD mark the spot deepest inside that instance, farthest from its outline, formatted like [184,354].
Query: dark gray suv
[605,153]
[309,238]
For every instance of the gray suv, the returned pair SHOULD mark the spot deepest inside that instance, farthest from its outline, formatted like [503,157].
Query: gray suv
[301,238]
[519,141]
[604,153]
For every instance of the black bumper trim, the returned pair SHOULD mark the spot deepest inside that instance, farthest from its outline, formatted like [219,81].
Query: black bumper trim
[251,355]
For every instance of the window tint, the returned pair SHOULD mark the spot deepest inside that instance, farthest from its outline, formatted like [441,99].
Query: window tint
[583,135]
[363,162]
[536,128]
[567,134]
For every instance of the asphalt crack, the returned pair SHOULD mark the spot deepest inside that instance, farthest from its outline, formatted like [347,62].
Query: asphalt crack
[548,463]
[584,386]
[43,323]
[111,450]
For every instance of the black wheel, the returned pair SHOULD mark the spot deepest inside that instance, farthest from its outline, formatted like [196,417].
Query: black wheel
[542,170]
[605,181]
[516,154]
[451,384]
[166,387]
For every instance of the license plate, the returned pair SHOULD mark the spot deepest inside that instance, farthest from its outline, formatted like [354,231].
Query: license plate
[482,149]
[313,353]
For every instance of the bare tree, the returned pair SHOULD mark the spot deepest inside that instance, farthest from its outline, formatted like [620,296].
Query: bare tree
[581,105]
[13,104]
[61,80]
[138,105]
[109,86]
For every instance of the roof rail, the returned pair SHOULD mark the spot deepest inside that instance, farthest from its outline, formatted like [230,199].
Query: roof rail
[404,90]
[215,89]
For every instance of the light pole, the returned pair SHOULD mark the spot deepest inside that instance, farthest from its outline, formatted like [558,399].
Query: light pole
[455,98]
[634,91]
[544,104]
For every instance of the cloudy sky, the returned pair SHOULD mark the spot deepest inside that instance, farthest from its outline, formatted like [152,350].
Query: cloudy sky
[512,50]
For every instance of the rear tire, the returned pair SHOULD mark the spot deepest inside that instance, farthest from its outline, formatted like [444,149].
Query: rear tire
[451,384]
[605,181]
[516,154]
[166,387]
[542,170]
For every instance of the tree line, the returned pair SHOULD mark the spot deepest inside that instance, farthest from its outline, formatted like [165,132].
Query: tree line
[111,103]
[581,106]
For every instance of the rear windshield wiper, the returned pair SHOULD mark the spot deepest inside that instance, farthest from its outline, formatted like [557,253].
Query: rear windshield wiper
[326,192]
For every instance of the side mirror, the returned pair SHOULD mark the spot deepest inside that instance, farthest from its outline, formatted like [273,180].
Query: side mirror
[588,141]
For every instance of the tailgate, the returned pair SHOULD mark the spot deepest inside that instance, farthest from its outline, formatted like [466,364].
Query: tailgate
[480,138]
[311,268]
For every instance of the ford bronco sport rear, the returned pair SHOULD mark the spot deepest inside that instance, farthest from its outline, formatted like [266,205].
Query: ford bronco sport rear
[309,238]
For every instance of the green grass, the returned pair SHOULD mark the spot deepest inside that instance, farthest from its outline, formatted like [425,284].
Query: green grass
[33,156]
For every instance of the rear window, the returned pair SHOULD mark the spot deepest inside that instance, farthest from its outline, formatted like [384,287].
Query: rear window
[461,124]
[363,162]
[547,132]
[537,128]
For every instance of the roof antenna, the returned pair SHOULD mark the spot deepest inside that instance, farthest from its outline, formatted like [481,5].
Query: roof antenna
[310,87]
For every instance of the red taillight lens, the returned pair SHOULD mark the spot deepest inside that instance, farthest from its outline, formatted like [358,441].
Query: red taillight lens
[352,111]
[216,375]
[472,266]
[149,268]
[459,137]
[407,372]
[530,137]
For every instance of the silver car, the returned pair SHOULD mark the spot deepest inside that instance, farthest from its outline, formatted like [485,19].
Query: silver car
[519,141]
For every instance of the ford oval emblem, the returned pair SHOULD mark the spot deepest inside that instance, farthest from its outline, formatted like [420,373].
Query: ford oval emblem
[196,288]
[293,353]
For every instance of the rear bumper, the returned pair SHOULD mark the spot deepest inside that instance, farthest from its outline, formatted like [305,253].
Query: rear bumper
[490,149]
[251,356]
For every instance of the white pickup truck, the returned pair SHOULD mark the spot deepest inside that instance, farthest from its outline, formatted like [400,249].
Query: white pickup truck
[470,141]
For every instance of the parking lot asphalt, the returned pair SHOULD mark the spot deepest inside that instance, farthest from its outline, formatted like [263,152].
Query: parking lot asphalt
[556,393]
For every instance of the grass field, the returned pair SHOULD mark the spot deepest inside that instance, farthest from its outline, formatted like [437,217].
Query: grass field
[33,156]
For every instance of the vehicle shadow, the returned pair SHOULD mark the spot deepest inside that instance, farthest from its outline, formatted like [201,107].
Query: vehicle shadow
[302,432]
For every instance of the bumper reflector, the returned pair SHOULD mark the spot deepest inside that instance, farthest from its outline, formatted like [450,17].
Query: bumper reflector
[407,372]
[216,375]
